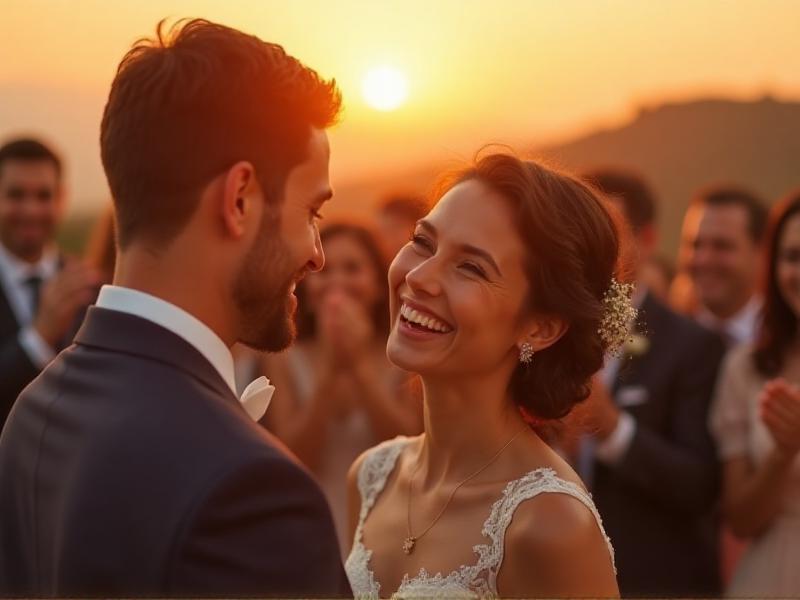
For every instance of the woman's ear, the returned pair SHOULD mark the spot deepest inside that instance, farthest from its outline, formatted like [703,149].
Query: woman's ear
[240,192]
[544,331]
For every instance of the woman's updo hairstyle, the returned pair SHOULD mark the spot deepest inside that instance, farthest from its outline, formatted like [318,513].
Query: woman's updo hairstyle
[573,235]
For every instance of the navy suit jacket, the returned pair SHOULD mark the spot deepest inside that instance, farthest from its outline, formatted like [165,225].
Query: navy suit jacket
[16,368]
[658,503]
[129,468]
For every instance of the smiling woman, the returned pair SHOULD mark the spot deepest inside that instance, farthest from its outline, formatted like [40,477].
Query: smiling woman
[512,255]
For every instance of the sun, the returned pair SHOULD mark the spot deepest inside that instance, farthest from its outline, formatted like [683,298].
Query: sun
[384,88]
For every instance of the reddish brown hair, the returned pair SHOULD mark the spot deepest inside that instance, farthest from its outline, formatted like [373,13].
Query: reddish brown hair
[188,105]
[779,325]
[574,239]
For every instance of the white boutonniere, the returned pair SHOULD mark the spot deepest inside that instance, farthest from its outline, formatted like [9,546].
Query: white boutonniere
[636,345]
[256,397]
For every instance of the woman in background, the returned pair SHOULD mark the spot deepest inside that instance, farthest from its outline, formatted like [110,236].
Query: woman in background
[756,420]
[336,393]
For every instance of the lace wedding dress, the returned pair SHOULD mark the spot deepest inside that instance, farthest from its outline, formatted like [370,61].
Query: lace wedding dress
[477,580]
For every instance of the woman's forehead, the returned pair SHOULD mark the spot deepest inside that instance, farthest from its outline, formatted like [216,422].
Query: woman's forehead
[472,213]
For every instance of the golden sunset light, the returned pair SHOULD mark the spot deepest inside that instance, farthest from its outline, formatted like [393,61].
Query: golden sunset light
[416,91]
[263,262]
[385,88]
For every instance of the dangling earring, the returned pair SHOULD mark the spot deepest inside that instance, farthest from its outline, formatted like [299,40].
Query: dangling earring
[526,353]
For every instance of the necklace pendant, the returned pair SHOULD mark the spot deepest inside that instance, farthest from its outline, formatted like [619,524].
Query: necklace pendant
[408,544]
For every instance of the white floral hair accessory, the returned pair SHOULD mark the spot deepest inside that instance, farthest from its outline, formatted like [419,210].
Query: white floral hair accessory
[618,314]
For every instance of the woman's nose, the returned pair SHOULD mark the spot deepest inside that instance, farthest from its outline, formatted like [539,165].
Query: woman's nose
[425,278]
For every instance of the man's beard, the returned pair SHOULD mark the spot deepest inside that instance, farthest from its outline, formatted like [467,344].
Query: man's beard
[261,294]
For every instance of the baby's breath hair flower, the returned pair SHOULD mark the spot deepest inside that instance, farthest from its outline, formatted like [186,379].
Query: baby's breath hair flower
[618,314]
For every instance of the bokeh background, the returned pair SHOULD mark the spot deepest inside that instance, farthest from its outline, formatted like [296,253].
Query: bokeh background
[688,92]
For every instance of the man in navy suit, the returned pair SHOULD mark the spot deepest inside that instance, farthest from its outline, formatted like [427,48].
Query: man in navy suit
[129,467]
[41,293]
[652,466]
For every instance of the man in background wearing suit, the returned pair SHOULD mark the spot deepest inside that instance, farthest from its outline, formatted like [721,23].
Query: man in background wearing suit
[40,295]
[652,466]
[719,262]
[129,467]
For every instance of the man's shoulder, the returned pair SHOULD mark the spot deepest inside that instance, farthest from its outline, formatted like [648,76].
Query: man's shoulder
[661,320]
[147,411]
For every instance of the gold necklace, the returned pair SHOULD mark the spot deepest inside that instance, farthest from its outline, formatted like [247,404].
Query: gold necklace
[411,540]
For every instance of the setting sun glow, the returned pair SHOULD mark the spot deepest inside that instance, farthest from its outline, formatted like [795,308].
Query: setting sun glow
[385,88]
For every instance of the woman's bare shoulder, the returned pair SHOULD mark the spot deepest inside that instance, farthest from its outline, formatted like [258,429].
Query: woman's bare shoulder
[555,547]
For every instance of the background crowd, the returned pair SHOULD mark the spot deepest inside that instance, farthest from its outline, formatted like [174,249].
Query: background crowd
[689,441]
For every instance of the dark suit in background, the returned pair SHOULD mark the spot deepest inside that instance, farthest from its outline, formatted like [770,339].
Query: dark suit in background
[16,368]
[658,500]
[129,468]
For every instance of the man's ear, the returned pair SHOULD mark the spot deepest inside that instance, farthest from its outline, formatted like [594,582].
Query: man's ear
[544,331]
[241,196]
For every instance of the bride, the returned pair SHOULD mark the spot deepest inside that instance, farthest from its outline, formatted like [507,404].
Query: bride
[504,302]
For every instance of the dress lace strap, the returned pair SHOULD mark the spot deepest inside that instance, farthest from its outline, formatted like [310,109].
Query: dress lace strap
[374,472]
[544,480]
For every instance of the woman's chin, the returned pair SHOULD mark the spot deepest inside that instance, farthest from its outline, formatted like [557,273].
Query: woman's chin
[404,357]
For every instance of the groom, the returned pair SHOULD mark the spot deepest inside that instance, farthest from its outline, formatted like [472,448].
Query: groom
[129,467]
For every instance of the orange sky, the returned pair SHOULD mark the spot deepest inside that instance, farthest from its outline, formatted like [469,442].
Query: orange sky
[515,71]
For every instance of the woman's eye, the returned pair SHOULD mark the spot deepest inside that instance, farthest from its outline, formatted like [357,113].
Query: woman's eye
[475,269]
[422,242]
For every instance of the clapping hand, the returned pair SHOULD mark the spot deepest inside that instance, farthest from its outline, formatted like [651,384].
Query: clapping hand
[779,405]
[346,327]
[62,297]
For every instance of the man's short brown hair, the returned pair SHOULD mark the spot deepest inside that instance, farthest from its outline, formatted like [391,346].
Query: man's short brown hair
[192,102]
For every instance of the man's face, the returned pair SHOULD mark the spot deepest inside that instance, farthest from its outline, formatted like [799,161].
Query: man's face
[720,257]
[30,206]
[287,248]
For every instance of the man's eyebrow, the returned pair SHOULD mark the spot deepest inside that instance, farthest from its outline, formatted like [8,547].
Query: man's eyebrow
[466,248]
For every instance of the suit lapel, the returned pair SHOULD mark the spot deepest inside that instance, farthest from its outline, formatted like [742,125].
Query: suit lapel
[8,320]
[121,332]
[9,323]
[646,325]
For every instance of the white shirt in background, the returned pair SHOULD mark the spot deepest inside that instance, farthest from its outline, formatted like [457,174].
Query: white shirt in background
[14,274]
[740,328]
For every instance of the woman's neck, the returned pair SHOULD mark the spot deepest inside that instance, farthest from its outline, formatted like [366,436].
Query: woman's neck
[466,423]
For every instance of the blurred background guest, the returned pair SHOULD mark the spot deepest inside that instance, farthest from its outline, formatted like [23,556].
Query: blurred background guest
[756,420]
[101,248]
[657,275]
[652,465]
[396,217]
[41,292]
[720,258]
[336,393]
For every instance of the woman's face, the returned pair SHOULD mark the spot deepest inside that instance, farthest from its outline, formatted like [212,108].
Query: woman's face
[349,269]
[457,289]
[787,268]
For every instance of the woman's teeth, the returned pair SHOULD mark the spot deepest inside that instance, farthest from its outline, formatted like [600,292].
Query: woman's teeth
[428,322]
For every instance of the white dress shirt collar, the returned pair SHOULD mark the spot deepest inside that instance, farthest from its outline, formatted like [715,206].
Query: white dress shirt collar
[17,271]
[14,274]
[174,319]
[741,327]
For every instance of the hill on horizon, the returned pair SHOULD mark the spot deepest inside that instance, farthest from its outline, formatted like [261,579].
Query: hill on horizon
[678,147]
